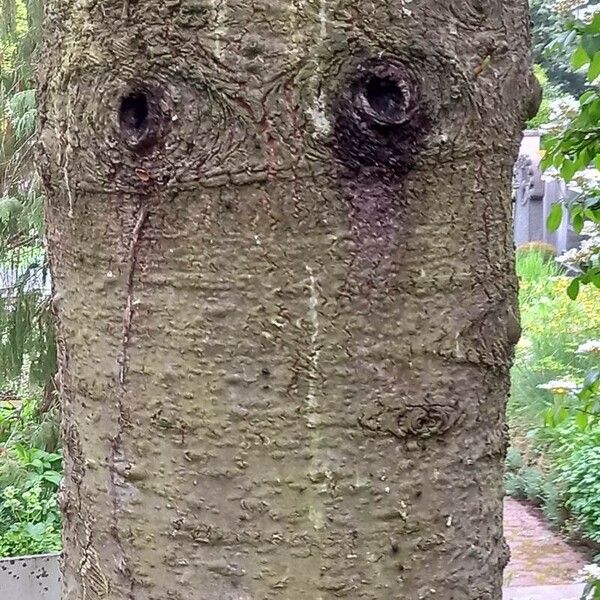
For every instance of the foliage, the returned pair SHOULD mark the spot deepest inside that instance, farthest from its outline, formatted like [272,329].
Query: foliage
[580,471]
[570,435]
[549,22]
[591,576]
[30,472]
[554,329]
[30,459]
[551,94]
[548,251]
[575,150]
[536,264]
[525,483]
[30,522]
[552,412]
[26,336]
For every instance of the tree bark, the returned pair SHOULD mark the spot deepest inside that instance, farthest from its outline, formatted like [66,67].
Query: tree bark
[281,245]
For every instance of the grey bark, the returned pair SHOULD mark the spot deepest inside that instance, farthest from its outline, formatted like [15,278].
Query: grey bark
[280,236]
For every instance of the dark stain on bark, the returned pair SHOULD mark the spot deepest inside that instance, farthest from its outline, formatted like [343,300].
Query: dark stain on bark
[380,118]
[380,124]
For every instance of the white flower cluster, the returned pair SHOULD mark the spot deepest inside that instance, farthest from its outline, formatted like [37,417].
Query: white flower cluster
[588,252]
[590,229]
[574,8]
[525,343]
[560,387]
[562,112]
[586,181]
[590,573]
[589,347]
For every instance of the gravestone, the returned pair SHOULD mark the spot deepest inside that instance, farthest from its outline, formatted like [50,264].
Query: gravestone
[30,578]
[534,195]
[529,190]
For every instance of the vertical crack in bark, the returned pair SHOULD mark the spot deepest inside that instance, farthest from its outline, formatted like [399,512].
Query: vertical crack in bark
[66,158]
[316,513]
[117,454]
[128,312]
[313,374]
[94,584]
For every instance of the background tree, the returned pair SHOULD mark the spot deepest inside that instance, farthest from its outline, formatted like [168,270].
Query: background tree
[26,334]
[549,21]
[280,239]
[574,151]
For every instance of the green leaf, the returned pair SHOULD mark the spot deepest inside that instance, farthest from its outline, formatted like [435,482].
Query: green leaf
[581,419]
[587,97]
[568,38]
[590,42]
[52,477]
[547,161]
[577,221]
[594,69]
[580,58]
[555,216]
[560,415]
[591,378]
[36,530]
[593,111]
[570,167]
[595,280]
[573,289]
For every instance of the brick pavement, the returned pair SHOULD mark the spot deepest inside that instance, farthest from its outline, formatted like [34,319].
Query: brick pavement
[539,557]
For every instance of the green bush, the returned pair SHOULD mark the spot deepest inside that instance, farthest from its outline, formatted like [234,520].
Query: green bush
[29,521]
[533,483]
[581,476]
[526,483]
[514,460]
[553,499]
[513,485]
[540,255]
[30,472]
[552,419]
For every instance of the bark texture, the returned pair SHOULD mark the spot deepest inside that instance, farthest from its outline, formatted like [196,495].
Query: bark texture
[280,235]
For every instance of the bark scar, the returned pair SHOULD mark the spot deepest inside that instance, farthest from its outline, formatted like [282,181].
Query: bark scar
[117,458]
[128,312]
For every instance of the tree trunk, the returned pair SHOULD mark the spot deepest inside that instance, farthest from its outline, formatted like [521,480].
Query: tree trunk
[280,236]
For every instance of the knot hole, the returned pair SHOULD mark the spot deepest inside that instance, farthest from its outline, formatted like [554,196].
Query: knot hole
[385,99]
[144,117]
[133,114]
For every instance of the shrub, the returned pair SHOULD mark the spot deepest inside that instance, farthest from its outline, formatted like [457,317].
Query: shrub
[513,485]
[544,249]
[536,261]
[30,472]
[29,521]
[554,327]
[533,483]
[581,476]
[514,460]
[553,504]
[556,427]
[526,483]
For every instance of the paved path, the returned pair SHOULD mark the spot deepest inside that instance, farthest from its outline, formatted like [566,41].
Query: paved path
[544,592]
[538,555]
[542,566]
